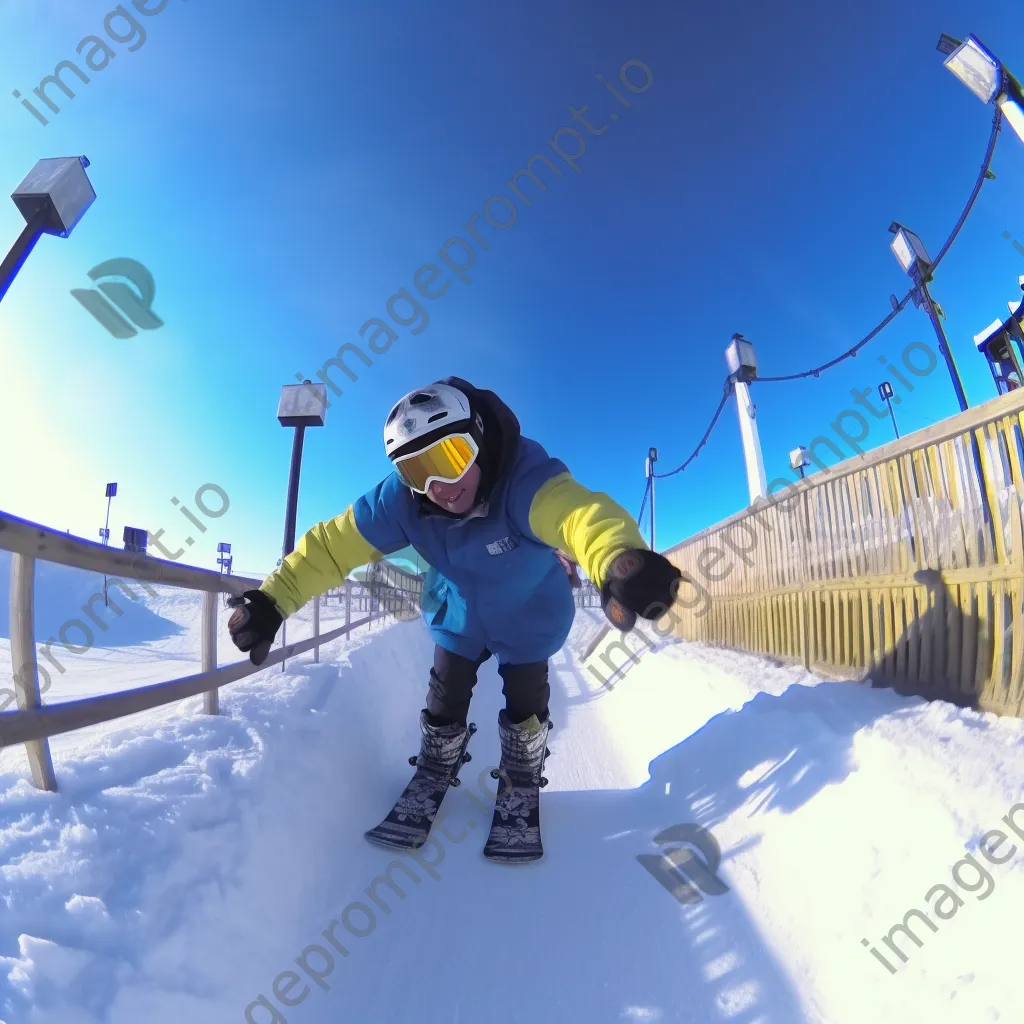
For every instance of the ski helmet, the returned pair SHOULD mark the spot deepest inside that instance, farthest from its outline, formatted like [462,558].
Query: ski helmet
[422,418]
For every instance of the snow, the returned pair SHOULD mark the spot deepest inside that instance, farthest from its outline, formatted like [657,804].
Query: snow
[201,868]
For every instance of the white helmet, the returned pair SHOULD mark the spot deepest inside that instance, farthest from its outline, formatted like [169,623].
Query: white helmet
[425,415]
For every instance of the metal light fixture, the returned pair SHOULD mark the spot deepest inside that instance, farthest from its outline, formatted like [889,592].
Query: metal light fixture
[912,256]
[52,199]
[798,460]
[987,77]
[909,250]
[885,393]
[741,360]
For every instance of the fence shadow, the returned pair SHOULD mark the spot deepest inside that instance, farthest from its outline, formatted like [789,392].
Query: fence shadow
[947,650]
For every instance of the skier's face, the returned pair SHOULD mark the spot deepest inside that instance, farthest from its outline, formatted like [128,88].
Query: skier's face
[458,497]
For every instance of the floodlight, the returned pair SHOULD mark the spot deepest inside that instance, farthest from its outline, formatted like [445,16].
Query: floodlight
[908,249]
[58,192]
[302,405]
[976,66]
[988,78]
[740,358]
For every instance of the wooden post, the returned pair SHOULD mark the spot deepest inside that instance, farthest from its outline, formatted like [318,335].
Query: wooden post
[316,628]
[211,699]
[23,664]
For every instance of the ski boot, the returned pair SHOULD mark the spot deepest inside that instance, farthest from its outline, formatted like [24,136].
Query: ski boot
[515,828]
[442,754]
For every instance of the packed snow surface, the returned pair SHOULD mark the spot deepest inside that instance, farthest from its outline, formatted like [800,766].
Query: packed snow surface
[213,869]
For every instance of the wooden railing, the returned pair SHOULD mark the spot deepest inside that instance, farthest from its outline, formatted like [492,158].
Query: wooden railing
[904,564]
[33,723]
[587,596]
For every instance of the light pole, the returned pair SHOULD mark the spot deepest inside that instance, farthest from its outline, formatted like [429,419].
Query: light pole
[224,558]
[912,256]
[105,535]
[111,492]
[742,363]
[302,405]
[52,199]
[885,393]
[909,250]
[652,458]
[798,460]
[986,76]
[994,344]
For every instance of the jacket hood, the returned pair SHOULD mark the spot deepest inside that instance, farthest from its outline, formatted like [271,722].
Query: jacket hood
[500,441]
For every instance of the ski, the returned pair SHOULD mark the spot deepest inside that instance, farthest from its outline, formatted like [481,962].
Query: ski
[409,822]
[515,828]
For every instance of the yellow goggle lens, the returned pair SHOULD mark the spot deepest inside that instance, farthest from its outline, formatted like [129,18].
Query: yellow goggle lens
[447,459]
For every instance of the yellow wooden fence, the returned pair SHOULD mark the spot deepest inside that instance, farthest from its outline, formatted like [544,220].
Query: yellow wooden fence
[903,564]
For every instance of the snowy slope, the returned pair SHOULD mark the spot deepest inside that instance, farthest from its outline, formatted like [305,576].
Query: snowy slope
[189,861]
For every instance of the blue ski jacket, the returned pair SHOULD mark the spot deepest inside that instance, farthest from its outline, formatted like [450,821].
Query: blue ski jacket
[495,581]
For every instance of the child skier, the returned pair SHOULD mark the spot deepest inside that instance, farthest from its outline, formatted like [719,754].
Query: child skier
[484,507]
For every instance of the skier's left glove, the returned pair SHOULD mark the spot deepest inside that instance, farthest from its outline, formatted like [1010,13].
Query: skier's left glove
[639,582]
[254,624]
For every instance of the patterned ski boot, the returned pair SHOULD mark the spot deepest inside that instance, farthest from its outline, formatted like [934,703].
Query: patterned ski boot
[515,827]
[442,754]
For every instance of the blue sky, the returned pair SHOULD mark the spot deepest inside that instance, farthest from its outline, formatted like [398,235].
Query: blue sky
[282,174]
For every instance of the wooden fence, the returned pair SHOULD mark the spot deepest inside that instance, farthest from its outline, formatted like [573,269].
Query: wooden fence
[392,591]
[903,565]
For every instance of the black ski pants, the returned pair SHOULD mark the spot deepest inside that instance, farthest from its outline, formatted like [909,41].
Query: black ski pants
[453,677]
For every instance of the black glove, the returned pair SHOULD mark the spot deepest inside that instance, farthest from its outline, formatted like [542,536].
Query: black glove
[640,582]
[254,624]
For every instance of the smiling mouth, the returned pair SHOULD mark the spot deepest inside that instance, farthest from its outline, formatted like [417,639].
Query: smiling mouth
[457,498]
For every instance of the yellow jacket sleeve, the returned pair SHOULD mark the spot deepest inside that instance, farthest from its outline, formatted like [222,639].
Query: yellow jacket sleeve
[588,524]
[324,556]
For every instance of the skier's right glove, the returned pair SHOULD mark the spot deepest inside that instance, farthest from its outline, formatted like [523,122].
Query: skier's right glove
[640,582]
[254,624]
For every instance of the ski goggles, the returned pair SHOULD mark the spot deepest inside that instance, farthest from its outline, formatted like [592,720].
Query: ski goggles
[446,460]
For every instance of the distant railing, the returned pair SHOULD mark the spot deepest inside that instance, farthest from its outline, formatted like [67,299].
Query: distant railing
[33,723]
